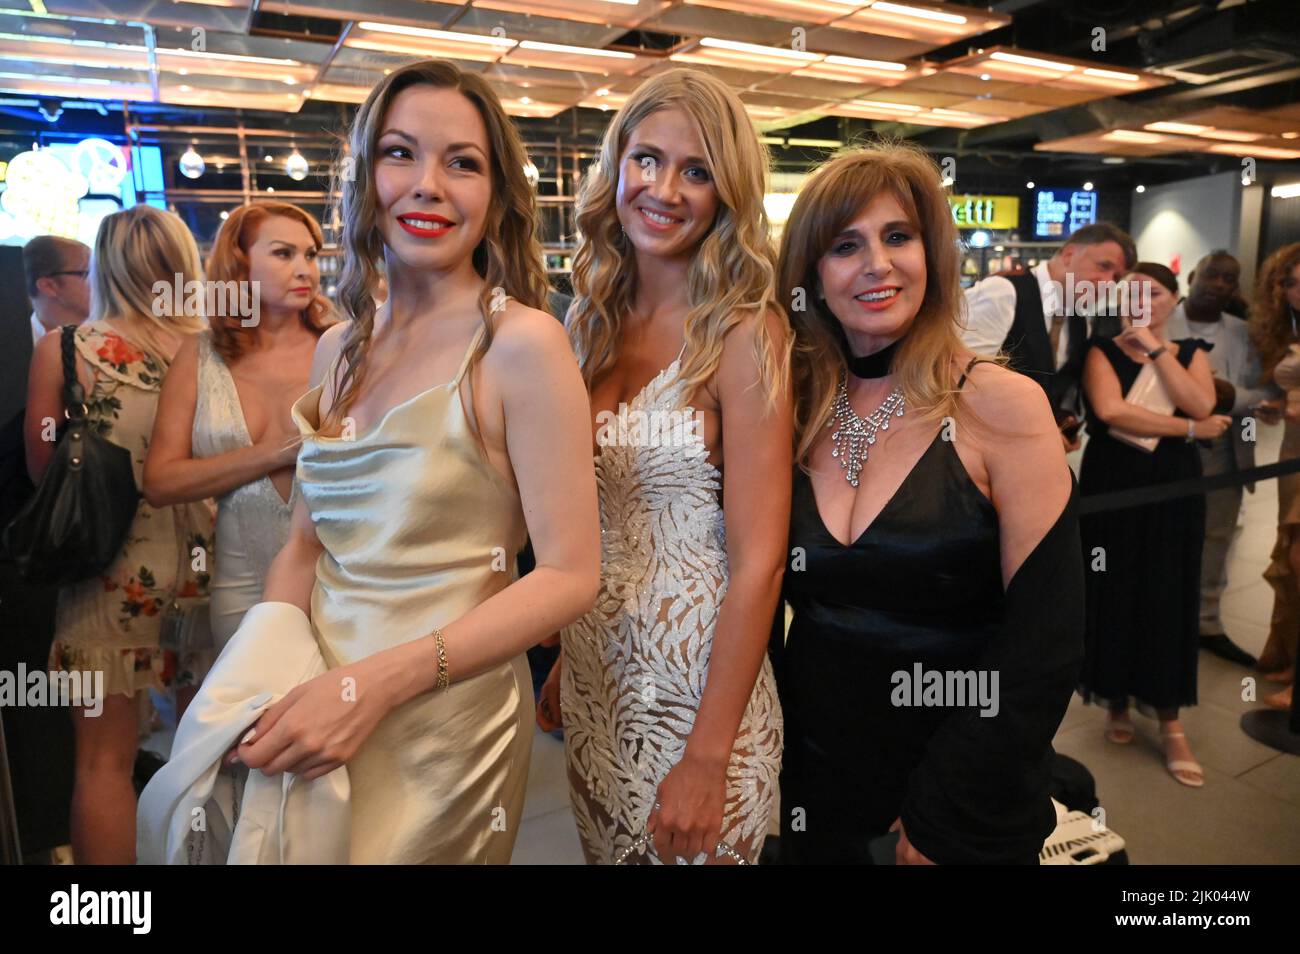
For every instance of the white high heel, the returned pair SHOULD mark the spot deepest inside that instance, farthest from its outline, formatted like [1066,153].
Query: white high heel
[1189,766]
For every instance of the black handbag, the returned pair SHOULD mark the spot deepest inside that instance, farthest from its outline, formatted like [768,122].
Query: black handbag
[74,526]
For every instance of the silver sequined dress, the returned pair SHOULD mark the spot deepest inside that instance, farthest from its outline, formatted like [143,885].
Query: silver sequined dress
[252,520]
[635,666]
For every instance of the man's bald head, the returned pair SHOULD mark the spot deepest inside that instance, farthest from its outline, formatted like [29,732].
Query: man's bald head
[1215,281]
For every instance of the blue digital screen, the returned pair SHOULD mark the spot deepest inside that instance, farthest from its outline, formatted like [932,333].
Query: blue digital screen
[147,168]
[1058,212]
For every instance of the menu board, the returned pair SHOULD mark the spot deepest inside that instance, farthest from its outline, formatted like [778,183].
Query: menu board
[1058,212]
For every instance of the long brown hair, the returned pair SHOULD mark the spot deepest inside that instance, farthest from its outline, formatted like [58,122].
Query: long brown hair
[732,273]
[508,257]
[228,262]
[1270,316]
[828,203]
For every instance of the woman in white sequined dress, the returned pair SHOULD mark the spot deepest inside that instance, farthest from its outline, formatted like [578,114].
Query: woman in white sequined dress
[672,725]
[223,428]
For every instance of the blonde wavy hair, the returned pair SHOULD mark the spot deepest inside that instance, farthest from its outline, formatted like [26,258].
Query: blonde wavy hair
[1270,318]
[508,256]
[828,203]
[732,274]
[135,250]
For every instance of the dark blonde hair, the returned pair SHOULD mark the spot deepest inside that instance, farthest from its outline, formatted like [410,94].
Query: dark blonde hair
[732,274]
[830,200]
[508,257]
[136,250]
[1270,317]
[228,262]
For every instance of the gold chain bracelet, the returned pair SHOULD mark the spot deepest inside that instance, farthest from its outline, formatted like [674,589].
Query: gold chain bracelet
[444,679]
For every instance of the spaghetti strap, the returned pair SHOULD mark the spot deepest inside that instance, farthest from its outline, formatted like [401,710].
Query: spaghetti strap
[469,353]
[973,361]
[680,353]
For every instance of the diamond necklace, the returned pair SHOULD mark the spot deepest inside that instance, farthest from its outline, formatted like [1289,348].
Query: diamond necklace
[854,435]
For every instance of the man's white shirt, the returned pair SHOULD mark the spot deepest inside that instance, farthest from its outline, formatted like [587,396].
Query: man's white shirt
[991,309]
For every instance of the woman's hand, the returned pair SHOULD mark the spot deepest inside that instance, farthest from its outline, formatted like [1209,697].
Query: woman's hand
[549,716]
[689,808]
[1137,341]
[1208,428]
[904,853]
[318,726]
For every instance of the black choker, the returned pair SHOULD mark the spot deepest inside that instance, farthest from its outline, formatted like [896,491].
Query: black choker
[874,365]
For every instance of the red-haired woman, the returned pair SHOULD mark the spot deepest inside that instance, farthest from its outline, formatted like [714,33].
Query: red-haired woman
[223,428]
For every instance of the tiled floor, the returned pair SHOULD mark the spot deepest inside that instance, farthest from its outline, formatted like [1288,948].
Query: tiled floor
[1247,813]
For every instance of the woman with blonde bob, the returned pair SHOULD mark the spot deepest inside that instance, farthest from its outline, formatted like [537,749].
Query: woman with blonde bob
[223,428]
[112,623]
[669,708]
[443,428]
[933,529]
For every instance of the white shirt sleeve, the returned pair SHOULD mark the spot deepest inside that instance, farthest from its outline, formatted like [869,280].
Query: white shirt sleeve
[990,310]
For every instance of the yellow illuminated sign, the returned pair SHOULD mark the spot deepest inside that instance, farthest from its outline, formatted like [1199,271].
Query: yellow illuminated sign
[985,211]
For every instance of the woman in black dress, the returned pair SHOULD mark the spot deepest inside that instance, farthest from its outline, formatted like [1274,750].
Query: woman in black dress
[1142,638]
[935,579]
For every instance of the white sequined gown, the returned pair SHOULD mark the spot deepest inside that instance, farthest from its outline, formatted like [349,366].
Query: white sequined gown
[635,666]
[252,520]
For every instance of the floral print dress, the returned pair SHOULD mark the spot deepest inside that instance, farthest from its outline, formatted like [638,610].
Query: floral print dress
[112,622]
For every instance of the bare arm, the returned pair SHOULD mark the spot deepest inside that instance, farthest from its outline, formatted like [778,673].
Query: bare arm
[757,445]
[1107,400]
[1029,481]
[172,474]
[1190,388]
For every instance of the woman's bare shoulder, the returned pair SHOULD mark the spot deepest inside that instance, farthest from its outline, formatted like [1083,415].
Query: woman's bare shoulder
[1013,404]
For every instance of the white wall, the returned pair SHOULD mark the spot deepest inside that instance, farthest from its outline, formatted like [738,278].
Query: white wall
[1189,218]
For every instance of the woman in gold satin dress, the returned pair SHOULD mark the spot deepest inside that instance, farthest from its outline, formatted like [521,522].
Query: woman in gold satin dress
[444,427]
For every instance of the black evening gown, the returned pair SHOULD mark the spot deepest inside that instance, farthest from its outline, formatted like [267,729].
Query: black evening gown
[923,585]
[1142,609]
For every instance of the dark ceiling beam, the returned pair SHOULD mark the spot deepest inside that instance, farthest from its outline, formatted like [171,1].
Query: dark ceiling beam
[1233,86]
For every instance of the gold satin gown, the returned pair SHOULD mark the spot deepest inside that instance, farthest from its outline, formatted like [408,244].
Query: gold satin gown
[418,529]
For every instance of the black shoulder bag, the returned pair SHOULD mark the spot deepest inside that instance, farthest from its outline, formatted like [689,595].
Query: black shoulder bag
[77,521]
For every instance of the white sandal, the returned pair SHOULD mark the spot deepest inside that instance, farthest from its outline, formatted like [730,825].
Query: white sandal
[1191,767]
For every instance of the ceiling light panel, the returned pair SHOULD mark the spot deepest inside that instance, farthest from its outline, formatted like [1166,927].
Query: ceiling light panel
[932,23]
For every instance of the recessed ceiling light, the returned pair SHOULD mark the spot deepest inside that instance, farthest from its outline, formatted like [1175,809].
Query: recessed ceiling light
[1187,129]
[917,13]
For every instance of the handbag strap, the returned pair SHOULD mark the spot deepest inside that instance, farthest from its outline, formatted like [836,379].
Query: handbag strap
[74,395]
